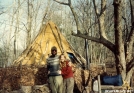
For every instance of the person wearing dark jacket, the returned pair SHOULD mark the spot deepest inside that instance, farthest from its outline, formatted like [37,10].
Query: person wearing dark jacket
[67,73]
[54,73]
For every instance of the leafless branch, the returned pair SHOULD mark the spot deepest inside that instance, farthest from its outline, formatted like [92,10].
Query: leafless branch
[95,8]
[131,35]
[103,41]
[130,65]
[46,11]
[102,11]
[73,12]
[61,2]
[2,13]
[130,39]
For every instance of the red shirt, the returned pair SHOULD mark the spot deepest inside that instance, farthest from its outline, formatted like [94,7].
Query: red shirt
[66,71]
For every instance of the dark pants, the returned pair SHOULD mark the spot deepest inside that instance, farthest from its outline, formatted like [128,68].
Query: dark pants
[68,85]
[56,84]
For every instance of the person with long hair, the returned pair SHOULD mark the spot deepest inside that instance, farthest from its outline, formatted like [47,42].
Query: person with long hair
[67,74]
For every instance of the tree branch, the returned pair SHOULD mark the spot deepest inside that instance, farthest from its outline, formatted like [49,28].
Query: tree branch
[46,12]
[103,41]
[131,35]
[126,28]
[61,2]
[2,13]
[73,12]
[103,9]
[130,40]
[101,18]
[95,8]
[130,65]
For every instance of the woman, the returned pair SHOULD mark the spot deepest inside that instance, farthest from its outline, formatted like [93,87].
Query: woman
[67,73]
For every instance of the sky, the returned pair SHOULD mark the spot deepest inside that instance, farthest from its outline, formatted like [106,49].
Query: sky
[6,4]
[5,20]
[6,34]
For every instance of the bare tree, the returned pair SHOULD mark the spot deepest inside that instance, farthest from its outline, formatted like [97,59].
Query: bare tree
[29,22]
[129,43]
[101,17]
[1,9]
[16,30]
[46,11]
[123,56]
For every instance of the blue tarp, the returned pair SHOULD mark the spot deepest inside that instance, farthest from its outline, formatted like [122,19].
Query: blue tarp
[72,57]
[112,80]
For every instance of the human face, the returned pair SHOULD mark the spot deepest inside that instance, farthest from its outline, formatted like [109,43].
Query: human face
[54,52]
[62,58]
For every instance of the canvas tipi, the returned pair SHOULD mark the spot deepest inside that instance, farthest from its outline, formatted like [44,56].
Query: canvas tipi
[40,49]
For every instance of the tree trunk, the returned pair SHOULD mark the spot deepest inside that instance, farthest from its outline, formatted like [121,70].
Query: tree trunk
[28,41]
[16,31]
[128,76]
[101,18]
[119,44]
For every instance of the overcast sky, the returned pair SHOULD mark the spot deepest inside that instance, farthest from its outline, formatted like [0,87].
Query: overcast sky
[5,21]
[6,33]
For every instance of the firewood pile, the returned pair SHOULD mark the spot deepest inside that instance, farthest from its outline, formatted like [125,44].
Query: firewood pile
[9,78]
[12,78]
[82,80]
[27,76]
[41,76]
[96,69]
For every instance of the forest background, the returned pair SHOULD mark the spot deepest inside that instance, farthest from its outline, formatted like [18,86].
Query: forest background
[107,24]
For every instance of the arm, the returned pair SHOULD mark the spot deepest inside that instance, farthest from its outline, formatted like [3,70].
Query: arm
[68,69]
[48,66]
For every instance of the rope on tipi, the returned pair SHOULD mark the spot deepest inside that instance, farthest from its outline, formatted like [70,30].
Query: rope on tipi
[44,52]
[61,48]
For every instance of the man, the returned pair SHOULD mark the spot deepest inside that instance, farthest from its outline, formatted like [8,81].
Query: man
[54,73]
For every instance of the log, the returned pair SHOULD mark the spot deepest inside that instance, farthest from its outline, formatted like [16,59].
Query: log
[106,87]
[26,89]
[41,89]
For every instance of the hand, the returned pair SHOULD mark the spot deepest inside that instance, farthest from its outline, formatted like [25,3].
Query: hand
[69,64]
[59,71]
[48,72]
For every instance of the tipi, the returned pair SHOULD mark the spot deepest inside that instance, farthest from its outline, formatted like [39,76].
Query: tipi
[39,50]
[37,53]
